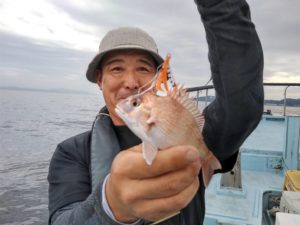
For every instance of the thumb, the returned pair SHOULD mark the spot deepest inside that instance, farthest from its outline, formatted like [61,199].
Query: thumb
[136,148]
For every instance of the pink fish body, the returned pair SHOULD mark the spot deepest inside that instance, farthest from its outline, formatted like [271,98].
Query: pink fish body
[165,121]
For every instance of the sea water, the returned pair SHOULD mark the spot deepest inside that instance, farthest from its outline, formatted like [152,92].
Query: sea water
[31,126]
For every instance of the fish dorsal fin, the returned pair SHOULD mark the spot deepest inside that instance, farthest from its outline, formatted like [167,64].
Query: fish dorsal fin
[179,93]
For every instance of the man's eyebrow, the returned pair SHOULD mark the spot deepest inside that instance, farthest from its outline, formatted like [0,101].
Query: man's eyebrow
[111,61]
[146,61]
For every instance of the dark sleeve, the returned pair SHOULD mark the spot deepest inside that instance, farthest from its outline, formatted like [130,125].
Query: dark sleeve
[236,59]
[68,176]
[70,198]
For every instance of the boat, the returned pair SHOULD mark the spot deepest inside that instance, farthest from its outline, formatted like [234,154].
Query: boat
[251,193]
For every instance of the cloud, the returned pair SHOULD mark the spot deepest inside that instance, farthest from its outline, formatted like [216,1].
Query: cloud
[282,68]
[27,63]
[283,77]
[41,20]
[277,23]
[52,42]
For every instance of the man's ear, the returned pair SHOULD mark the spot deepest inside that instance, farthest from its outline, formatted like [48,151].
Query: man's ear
[99,78]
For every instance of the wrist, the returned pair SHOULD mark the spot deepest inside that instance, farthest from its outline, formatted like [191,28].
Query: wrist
[120,213]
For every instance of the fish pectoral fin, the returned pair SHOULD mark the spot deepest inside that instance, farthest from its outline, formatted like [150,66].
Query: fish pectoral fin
[149,152]
[153,115]
[209,165]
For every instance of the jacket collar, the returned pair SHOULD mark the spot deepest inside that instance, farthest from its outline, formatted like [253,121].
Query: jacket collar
[104,147]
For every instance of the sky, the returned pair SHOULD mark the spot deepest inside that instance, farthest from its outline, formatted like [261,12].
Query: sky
[48,44]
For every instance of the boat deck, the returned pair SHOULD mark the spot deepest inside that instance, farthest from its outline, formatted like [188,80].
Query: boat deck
[262,169]
[240,206]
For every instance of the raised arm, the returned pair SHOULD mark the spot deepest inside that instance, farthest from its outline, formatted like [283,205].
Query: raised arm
[236,59]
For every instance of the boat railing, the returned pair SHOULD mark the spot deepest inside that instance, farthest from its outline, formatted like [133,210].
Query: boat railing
[206,88]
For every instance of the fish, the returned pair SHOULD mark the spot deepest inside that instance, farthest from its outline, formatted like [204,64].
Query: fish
[165,121]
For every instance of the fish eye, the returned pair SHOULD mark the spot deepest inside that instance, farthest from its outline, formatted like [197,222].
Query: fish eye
[135,102]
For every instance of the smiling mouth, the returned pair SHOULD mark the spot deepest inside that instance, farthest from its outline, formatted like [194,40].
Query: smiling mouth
[124,96]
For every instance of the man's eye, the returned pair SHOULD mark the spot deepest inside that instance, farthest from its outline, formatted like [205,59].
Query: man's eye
[144,69]
[116,69]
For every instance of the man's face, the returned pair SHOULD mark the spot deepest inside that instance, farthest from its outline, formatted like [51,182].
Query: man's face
[122,74]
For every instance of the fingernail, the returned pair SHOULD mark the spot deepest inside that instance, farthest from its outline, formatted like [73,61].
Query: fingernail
[192,155]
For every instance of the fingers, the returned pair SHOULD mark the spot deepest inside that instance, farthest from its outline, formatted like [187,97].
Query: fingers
[166,161]
[157,209]
[168,184]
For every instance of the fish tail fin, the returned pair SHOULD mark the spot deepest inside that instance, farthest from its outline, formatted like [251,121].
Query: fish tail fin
[209,165]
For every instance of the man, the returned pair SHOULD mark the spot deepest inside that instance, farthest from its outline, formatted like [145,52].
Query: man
[100,177]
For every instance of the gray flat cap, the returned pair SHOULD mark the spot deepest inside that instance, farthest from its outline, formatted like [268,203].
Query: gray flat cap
[123,38]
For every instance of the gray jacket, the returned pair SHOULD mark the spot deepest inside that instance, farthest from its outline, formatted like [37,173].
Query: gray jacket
[90,211]
[236,59]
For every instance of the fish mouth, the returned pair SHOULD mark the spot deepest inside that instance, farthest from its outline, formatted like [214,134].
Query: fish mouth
[123,105]
[119,107]
[120,113]
[123,108]
[124,116]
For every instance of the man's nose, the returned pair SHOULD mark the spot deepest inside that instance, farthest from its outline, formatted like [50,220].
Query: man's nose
[131,81]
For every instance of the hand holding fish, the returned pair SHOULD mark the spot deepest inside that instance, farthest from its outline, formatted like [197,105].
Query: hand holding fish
[135,190]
